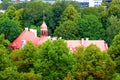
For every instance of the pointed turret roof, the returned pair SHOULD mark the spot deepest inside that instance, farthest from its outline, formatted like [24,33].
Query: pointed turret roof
[44,26]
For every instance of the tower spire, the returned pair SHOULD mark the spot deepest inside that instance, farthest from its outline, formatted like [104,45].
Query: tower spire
[43,15]
[44,30]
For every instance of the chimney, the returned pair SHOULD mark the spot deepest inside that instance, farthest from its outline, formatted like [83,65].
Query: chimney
[82,41]
[49,37]
[54,38]
[70,47]
[87,39]
[34,32]
[26,28]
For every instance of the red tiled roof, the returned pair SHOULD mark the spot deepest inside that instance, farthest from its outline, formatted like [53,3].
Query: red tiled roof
[75,43]
[72,44]
[25,35]
[42,39]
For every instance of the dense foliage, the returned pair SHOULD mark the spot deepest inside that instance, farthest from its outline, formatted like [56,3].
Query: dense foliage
[53,60]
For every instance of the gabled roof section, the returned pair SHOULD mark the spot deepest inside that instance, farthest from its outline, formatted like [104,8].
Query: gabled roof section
[27,36]
[42,39]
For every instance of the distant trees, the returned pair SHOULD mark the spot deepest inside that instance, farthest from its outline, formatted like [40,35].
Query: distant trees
[10,12]
[57,9]
[70,13]
[114,8]
[114,26]
[89,26]
[5,4]
[67,30]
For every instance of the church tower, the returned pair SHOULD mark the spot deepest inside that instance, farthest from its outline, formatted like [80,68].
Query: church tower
[43,30]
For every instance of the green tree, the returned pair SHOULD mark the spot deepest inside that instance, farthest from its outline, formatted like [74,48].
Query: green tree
[19,16]
[113,28]
[7,70]
[92,11]
[10,73]
[30,76]
[116,76]
[57,8]
[9,28]
[10,12]
[90,26]
[104,18]
[93,64]
[19,6]
[68,30]
[5,4]
[114,8]
[33,15]
[69,77]
[53,60]
[24,58]
[6,1]
[1,14]
[77,5]
[114,51]
[4,57]
[70,13]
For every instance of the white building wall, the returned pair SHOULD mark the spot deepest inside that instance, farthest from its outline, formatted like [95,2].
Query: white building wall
[92,3]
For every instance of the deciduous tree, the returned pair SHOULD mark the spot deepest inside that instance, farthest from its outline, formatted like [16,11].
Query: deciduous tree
[113,28]
[53,60]
[93,64]
[114,51]
[90,26]
[9,28]
[67,30]
[10,12]
[58,8]
[70,13]
[24,58]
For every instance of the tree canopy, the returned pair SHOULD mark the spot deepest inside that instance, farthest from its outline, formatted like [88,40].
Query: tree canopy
[52,60]
[9,28]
